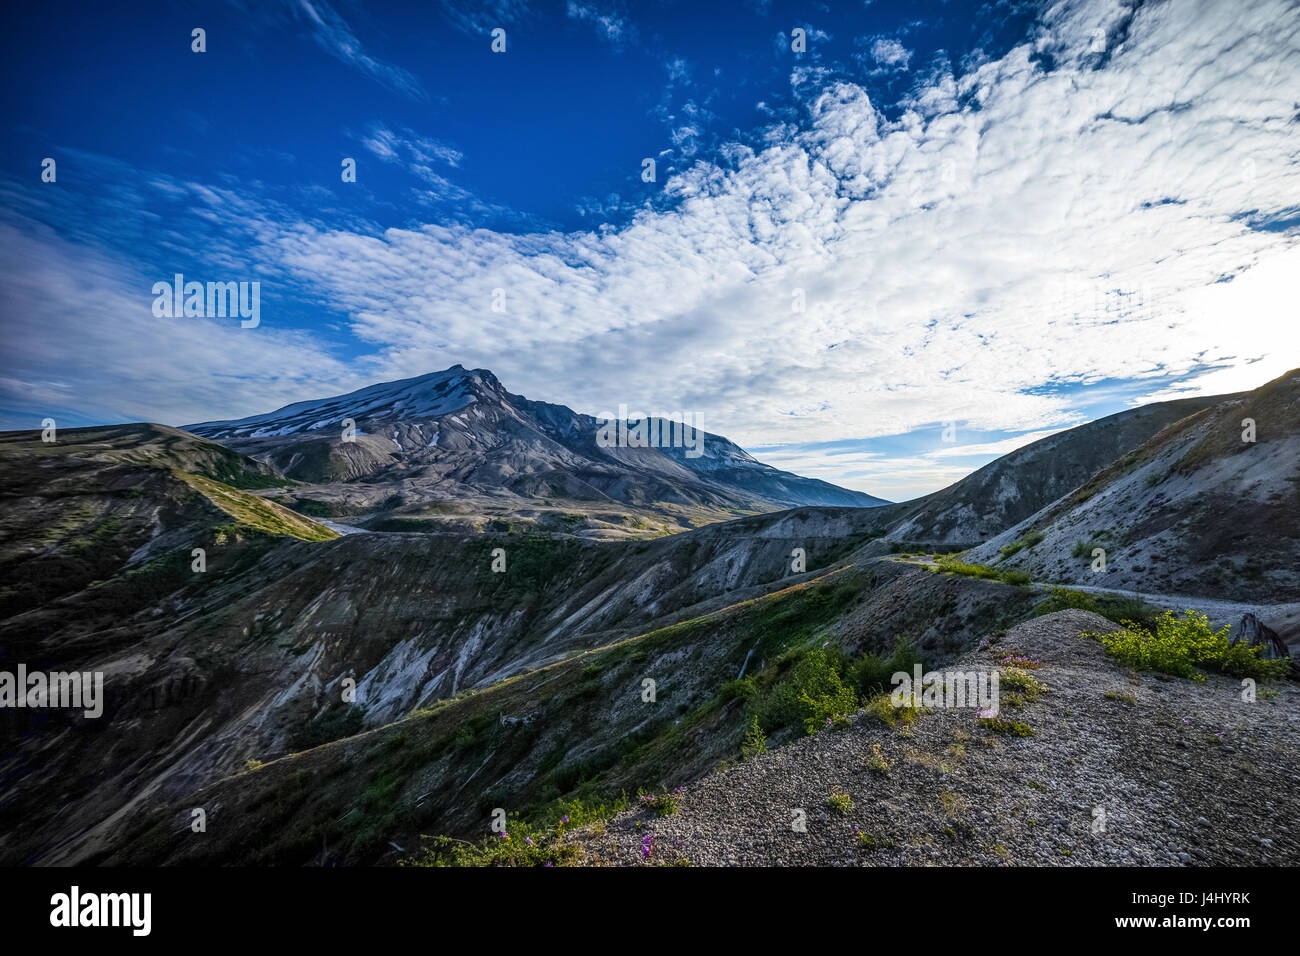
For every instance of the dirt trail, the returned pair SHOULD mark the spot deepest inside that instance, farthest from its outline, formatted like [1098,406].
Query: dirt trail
[1283,618]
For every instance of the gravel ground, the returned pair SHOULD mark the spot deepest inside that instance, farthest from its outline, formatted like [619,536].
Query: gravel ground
[1188,773]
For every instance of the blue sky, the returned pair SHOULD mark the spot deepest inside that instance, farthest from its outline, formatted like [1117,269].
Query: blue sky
[1010,217]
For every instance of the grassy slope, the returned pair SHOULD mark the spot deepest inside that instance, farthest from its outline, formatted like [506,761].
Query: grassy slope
[256,513]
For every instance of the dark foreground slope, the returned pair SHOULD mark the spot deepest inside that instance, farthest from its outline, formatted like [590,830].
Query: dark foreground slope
[581,728]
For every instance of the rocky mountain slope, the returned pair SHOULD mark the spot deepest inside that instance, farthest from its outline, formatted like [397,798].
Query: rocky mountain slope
[1216,783]
[1196,509]
[456,450]
[580,725]
[244,659]
[1021,482]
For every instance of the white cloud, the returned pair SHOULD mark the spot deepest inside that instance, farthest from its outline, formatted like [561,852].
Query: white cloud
[611,27]
[335,37]
[889,55]
[992,449]
[80,333]
[951,260]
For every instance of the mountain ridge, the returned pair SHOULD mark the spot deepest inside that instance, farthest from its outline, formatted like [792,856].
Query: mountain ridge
[437,447]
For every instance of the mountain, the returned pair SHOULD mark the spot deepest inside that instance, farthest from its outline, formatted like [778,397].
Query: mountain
[456,450]
[1015,486]
[1195,509]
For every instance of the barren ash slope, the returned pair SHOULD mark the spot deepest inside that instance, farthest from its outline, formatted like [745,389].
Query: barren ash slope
[477,690]
[1209,506]
[1103,766]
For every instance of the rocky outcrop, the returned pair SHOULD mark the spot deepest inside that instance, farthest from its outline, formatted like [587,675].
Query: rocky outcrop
[1254,634]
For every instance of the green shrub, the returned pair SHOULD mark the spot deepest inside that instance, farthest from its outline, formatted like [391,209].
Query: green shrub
[1030,539]
[1180,646]
[871,673]
[840,803]
[1065,598]
[1016,728]
[754,742]
[952,566]
[814,691]
[877,762]
[1116,607]
[829,709]
[1021,682]
[740,689]
[882,708]
[523,843]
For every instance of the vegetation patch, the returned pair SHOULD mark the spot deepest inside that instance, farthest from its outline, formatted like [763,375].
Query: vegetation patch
[953,566]
[1000,725]
[1115,607]
[522,842]
[839,802]
[1185,646]
[1030,539]
[254,513]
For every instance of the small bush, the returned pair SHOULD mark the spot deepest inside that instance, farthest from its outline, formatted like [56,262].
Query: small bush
[741,689]
[1179,646]
[839,802]
[754,742]
[1016,728]
[882,708]
[871,841]
[1020,682]
[876,761]
[950,566]
[1115,607]
[1030,539]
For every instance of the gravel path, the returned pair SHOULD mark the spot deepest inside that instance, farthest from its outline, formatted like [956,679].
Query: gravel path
[1165,771]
